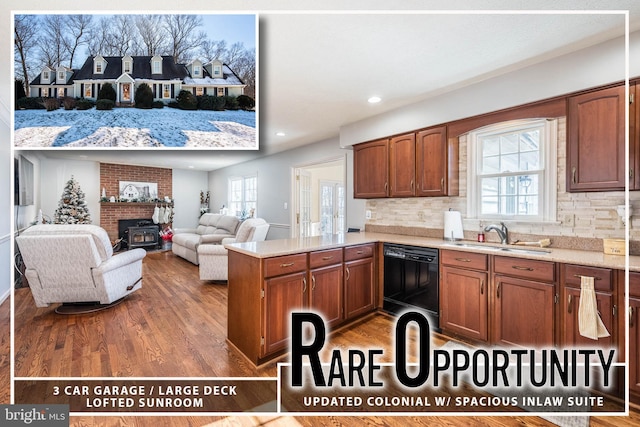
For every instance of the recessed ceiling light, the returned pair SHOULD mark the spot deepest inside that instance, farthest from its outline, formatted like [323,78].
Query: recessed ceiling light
[191,167]
[374,100]
[280,134]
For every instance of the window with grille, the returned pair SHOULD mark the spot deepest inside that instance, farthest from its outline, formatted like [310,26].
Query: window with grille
[243,196]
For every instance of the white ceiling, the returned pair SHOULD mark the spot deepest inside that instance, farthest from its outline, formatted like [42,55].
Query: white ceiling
[317,70]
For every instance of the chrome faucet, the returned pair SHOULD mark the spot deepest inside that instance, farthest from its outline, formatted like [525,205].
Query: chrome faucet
[501,230]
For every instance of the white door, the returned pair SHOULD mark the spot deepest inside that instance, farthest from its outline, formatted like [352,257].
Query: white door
[304,204]
[332,205]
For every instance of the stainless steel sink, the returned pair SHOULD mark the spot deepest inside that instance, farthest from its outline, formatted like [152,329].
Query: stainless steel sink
[499,248]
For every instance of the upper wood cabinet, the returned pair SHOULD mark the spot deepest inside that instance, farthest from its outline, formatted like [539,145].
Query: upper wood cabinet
[634,137]
[436,163]
[596,140]
[371,169]
[423,163]
[402,169]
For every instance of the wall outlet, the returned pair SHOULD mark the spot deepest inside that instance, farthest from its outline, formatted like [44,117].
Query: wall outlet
[367,214]
[569,220]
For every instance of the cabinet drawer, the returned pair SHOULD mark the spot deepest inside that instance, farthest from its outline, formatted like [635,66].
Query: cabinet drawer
[464,259]
[278,266]
[322,258]
[525,268]
[358,252]
[603,280]
[634,283]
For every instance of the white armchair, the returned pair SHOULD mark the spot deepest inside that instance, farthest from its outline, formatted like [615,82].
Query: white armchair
[76,264]
[214,259]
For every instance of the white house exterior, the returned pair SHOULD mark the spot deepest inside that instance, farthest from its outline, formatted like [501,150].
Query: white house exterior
[165,77]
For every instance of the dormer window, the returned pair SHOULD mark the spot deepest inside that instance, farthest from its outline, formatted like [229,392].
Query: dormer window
[127,66]
[196,71]
[61,75]
[98,67]
[217,70]
[45,75]
[156,65]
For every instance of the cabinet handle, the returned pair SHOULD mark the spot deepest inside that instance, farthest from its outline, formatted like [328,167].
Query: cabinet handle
[482,287]
[463,259]
[304,285]
[569,304]
[517,267]
[573,174]
[631,174]
[631,317]
[285,265]
[327,258]
[348,274]
[442,184]
[313,283]
[386,186]
[580,277]
[359,252]
[498,290]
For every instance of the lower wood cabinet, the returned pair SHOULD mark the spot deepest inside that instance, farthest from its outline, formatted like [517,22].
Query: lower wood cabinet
[282,295]
[326,285]
[633,314]
[464,287]
[359,290]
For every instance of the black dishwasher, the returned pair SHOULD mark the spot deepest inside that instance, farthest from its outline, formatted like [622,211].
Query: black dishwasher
[411,280]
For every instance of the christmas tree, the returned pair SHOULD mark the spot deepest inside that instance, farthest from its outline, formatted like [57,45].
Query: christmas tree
[72,208]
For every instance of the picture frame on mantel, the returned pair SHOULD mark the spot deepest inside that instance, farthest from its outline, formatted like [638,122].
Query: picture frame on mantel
[138,191]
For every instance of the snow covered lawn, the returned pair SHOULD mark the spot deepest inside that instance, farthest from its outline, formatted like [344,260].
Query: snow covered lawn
[133,127]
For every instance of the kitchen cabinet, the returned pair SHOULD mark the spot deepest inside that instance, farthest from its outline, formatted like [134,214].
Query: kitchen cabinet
[633,315]
[464,288]
[524,294]
[436,163]
[420,164]
[606,300]
[325,294]
[371,169]
[402,171]
[285,290]
[596,140]
[634,136]
[359,280]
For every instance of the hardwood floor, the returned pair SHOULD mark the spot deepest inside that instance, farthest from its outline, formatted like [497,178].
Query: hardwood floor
[175,326]
[5,352]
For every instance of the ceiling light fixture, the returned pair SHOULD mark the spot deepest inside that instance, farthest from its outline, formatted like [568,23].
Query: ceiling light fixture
[280,134]
[374,100]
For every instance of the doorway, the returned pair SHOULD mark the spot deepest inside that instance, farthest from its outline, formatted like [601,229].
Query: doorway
[319,205]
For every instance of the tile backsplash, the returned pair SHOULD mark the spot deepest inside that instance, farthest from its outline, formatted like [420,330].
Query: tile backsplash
[583,219]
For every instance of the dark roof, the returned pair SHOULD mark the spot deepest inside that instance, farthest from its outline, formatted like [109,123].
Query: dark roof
[141,69]
[36,81]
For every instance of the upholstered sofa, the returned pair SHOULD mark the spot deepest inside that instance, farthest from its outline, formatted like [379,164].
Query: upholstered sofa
[214,259]
[212,228]
[76,264]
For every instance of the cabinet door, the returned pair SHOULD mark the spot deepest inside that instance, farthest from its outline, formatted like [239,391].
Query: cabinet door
[326,293]
[571,332]
[634,137]
[523,312]
[436,163]
[596,141]
[281,295]
[358,287]
[371,169]
[634,346]
[402,168]
[463,302]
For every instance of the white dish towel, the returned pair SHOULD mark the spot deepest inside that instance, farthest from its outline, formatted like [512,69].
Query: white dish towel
[590,324]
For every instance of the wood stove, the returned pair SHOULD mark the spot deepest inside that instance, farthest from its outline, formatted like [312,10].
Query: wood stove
[139,233]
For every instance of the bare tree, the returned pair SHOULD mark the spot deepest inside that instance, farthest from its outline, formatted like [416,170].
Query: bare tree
[181,30]
[233,54]
[120,38]
[77,28]
[26,39]
[53,49]
[212,49]
[98,36]
[152,34]
[245,68]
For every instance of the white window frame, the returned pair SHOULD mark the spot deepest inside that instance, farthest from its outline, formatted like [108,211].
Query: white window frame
[61,75]
[243,203]
[217,70]
[127,67]
[88,90]
[99,68]
[220,91]
[196,70]
[157,67]
[45,75]
[199,91]
[547,211]
[166,91]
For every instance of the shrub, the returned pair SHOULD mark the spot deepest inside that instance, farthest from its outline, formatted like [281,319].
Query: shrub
[84,104]
[206,102]
[231,103]
[107,92]
[105,104]
[173,104]
[51,104]
[157,104]
[19,93]
[219,103]
[35,103]
[69,103]
[246,102]
[144,96]
[187,100]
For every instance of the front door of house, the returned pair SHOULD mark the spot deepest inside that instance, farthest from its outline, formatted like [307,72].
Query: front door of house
[126,92]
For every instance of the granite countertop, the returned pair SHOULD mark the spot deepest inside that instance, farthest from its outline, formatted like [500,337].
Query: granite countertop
[271,248]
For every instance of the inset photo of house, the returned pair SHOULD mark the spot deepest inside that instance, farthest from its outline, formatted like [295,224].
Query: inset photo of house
[135,81]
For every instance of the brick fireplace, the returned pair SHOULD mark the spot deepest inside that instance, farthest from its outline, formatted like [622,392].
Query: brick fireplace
[111,175]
